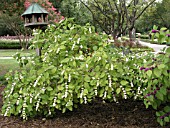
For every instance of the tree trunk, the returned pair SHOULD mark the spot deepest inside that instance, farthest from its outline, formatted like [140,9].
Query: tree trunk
[130,35]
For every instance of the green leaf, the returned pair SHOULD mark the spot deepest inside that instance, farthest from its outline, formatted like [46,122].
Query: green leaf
[154,105]
[166,119]
[123,82]
[49,88]
[65,60]
[95,48]
[62,47]
[158,114]
[70,108]
[160,96]
[161,66]
[149,73]
[155,27]
[63,110]
[167,109]
[102,75]
[163,28]
[60,88]
[87,78]
[157,72]
[85,91]
[118,90]
[168,50]
[74,63]
[15,95]
[161,123]
[45,97]
[70,103]
[163,90]
[53,70]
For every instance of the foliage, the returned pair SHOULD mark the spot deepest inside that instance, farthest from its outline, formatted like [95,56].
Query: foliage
[18,28]
[163,12]
[76,66]
[158,91]
[115,17]
[162,35]
[3,29]
[143,36]
[157,14]
[11,14]
[56,3]
[9,44]
[75,9]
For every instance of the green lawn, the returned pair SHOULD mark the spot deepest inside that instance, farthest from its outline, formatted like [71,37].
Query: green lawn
[10,63]
[5,66]
[11,52]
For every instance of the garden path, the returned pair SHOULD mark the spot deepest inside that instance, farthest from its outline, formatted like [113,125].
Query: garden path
[156,47]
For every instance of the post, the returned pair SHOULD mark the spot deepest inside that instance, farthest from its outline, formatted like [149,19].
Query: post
[38,51]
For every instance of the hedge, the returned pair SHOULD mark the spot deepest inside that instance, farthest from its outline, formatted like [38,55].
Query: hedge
[9,44]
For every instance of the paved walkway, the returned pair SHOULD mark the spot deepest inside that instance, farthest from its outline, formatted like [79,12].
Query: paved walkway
[156,47]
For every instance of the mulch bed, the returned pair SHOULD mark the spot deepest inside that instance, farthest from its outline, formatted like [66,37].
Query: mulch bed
[127,114]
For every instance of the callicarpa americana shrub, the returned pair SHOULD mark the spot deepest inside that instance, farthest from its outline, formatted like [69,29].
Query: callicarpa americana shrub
[157,93]
[76,65]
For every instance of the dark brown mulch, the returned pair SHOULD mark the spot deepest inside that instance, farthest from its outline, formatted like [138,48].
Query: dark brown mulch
[127,114]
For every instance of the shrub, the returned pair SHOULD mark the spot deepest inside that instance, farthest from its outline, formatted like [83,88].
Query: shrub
[76,66]
[9,44]
[158,91]
[161,35]
[144,36]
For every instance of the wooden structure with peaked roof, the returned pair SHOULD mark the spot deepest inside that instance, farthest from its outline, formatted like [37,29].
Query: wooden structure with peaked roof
[35,16]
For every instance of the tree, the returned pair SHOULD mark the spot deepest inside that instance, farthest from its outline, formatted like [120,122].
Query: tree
[11,14]
[115,17]
[163,12]
[158,14]
[56,3]
[108,15]
[133,11]
[75,9]
[11,11]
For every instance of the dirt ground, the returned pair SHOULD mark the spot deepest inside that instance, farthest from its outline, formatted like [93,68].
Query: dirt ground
[127,114]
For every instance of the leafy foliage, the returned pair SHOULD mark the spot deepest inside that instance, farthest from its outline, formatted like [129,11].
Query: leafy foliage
[76,66]
[75,9]
[162,35]
[157,93]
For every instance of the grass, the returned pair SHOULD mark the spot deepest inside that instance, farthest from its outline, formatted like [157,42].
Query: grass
[10,64]
[5,66]
[11,52]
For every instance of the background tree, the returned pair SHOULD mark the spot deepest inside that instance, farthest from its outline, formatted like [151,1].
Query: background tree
[75,9]
[108,15]
[11,11]
[115,17]
[56,3]
[163,12]
[158,14]
[134,9]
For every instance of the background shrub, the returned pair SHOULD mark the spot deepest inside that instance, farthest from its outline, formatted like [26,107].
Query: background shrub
[9,44]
